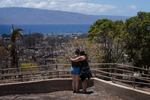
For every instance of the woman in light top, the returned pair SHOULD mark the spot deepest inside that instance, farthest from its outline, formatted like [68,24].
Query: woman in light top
[75,71]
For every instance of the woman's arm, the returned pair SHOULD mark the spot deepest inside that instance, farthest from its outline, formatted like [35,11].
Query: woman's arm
[77,59]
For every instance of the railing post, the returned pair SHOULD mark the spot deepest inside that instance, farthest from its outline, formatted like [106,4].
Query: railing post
[95,72]
[113,72]
[133,83]
[112,76]
[58,74]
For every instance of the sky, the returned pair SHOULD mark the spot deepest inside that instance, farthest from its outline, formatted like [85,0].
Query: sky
[91,7]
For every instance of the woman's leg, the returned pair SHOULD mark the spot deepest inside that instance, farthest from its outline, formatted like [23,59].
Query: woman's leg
[84,85]
[73,83]
[77,83]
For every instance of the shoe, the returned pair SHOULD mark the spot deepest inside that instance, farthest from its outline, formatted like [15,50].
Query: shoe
[85,92]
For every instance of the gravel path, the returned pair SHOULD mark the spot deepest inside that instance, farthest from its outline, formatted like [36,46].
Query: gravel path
[64,95]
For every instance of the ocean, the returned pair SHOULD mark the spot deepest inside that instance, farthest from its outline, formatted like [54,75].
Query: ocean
[47,29]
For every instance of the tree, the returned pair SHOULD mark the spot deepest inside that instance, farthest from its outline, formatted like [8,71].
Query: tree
[16,34]
[108,34]
[138,44]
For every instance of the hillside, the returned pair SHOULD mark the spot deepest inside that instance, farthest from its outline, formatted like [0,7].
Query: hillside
[18,15]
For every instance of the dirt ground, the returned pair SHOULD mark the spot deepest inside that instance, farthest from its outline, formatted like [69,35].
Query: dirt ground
[64,95]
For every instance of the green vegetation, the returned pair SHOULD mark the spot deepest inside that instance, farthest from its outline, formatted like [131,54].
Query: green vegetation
[27,65]
[120,40]
[110,35]
[138,44]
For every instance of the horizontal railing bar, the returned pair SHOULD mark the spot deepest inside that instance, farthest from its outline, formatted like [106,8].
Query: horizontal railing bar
[122,75]
[132,81]
[123,80]
[103,76]
[91,64]
[122,65]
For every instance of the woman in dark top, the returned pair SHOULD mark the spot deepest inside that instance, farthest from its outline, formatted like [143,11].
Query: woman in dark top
[85,69]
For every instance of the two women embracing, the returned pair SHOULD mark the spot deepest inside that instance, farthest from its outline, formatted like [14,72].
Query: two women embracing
[80,70]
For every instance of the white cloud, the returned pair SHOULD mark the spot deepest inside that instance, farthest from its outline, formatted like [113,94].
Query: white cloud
[81,6]
[133,7]
[91,8]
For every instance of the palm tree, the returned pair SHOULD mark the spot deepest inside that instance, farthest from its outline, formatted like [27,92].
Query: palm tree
[16,34]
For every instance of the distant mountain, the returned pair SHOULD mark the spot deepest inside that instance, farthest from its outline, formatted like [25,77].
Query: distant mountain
[18,15]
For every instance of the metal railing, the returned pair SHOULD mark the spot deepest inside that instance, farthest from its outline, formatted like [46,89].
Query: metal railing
[117,73]
[11,75]
[123,74]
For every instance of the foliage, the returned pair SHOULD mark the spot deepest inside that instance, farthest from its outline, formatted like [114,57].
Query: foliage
[27,65]
[138,44]
[110,35]
[119,39]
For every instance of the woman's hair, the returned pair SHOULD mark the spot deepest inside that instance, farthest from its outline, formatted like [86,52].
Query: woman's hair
[77,51]
[82,53]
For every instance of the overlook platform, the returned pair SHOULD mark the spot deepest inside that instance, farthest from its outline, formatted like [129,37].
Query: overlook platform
[60,89]
[110,81]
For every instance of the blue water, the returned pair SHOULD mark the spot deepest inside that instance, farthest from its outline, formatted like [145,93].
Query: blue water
[47,29]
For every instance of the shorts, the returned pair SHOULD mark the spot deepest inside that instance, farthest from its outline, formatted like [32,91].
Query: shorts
[75,70]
